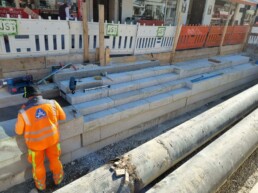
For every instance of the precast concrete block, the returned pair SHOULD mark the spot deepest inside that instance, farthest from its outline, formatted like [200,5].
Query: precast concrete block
[95,120]
[127,97]
[66,158]
[159,100]
[13,166]
[163,69]
[143,73]
[207,81]
[130,122]
[167,77]
[6,99]
[7,128]
[12,147]
[94,105]
[216,91]
[83,151]
[122,87]
[73,125]
[233,58]
[146,82]
[15,179]
[70,144]
[133,108]
[152,90]
[80,96]
[91,136]
[88,82]
[174,85]
[117,78]
[180,93]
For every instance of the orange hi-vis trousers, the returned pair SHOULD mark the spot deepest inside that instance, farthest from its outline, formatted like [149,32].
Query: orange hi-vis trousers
[36,158]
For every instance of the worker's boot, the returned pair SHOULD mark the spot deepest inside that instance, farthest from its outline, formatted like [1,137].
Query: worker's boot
[58,178]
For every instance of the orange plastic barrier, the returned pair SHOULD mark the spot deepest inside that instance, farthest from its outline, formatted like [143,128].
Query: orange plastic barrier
[214,36]
[238,35]
[192,37]
[228,36]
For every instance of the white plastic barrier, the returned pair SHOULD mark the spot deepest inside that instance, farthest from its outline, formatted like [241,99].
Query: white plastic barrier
[154,39]
[38,37]
[253,39]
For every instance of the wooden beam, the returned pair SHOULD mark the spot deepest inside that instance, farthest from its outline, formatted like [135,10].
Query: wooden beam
[85,31]
[247,36]
[17,3]
[235,14]
[176,37]
[225,30]
[101,36]
[107,56]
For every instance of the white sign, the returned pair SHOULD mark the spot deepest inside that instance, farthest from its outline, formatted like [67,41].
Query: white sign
[8,27]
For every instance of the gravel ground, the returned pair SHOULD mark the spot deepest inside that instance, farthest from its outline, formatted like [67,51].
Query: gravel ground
[241,182]
[244,178]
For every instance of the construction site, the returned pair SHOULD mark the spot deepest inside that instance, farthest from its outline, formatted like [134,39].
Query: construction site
[149,108]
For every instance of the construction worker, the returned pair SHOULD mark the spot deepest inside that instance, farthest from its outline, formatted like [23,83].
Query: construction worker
[38,122]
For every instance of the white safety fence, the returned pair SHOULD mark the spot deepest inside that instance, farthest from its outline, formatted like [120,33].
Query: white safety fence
[253,39]
[38,37]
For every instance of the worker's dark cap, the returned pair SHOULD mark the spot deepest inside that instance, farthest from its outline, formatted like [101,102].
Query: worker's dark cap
[31,91]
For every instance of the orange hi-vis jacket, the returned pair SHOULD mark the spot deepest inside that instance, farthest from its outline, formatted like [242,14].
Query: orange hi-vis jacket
[38,121]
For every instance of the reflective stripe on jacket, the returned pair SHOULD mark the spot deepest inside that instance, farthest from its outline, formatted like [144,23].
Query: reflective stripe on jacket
[38,121]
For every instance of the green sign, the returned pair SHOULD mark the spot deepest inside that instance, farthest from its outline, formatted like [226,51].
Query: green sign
[112,30]
[161,31]
[8,27]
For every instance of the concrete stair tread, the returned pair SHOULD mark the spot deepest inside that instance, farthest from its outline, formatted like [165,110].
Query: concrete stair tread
[117,77]
[229,60]
[141,104]
[126,97]
[81,96]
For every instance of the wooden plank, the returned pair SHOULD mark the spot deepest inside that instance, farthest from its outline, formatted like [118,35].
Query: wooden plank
[101,36]
[13,65]
[107,56]
[176,37]
[85,31]
[247,36]
[97,54]
[225,30]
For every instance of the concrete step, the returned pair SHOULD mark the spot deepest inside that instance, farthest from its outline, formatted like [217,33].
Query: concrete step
[127,110]
[116,78]
[127,97]
[194,91]
[80,96]
[194,67]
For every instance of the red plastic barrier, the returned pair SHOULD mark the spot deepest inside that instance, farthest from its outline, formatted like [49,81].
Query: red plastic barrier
[14,12]
[151,22]
[214,36]
[192,37]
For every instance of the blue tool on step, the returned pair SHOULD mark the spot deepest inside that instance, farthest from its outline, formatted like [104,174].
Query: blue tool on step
[16,85]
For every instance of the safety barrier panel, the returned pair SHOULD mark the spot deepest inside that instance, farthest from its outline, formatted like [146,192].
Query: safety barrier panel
[238,35]
[192,37]
[214,36]
[154,39]
[228,36]
[253,39]
[38,37]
